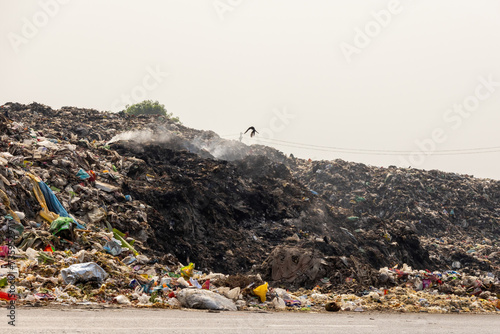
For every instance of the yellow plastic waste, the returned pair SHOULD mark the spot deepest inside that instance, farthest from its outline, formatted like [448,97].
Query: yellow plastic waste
[187,271]
[45,213]
[261,291]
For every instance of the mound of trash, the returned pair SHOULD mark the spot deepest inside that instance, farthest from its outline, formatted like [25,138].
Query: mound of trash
[102,207]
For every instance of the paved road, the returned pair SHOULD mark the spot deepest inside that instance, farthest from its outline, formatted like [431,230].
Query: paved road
[140,321]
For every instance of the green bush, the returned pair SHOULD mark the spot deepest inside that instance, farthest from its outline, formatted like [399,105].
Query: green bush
[149,107]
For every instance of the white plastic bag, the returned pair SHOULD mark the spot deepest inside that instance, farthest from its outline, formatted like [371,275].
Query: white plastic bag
[83,272]
[204,299]
[279,303]
[121,299]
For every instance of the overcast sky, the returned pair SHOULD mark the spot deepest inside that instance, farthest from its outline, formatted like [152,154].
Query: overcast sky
[381,82]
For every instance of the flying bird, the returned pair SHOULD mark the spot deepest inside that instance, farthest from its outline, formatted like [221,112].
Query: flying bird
[253,131]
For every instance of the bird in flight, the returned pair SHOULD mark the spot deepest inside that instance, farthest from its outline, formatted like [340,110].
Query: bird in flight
[253,131]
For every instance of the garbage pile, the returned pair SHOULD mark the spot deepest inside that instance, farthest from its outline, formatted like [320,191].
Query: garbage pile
[115,209]
[448,220]
[83,281]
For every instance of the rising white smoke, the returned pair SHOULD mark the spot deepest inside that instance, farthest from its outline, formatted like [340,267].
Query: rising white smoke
[207,141]
[143,136]
[221,148]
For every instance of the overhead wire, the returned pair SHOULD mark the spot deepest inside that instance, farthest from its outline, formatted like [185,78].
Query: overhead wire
[475,150]
[480,150]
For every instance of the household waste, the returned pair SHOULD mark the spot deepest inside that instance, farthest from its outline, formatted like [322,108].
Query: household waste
[105,208]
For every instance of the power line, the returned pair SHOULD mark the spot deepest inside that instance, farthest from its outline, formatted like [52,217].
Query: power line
[474,150]
[480,150]
[382,152]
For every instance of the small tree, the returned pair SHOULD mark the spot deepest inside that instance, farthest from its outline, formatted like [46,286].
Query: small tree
[149,107]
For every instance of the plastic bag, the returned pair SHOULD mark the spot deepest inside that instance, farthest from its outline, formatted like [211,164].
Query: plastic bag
[113,247]
[204,299]
[279,303]
[121,299]
[194,283]
[182,282]
[80,256]
[234,294]
[261,291]
[82,174]
[142,259]
[60,224]
[282,293]
[144,299]
[83,272]
[174,302]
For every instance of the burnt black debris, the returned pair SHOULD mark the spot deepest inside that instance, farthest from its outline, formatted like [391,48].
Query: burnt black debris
[185,195]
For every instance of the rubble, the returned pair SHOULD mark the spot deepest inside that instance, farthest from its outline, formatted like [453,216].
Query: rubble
[162,215]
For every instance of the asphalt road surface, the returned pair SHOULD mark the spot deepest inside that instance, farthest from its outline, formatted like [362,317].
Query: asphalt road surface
[138,321]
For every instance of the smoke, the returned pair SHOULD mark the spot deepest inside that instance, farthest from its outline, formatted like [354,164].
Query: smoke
[143,136]
[221,148]
[206,144]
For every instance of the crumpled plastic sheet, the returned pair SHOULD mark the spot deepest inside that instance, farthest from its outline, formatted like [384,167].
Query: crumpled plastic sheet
[205,299]
[113,247]
[53,203]
[83,272]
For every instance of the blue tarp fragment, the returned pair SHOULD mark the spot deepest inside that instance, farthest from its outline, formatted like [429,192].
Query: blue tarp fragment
[53,203]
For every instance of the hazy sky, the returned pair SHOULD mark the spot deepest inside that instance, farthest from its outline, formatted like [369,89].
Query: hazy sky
[381,82]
